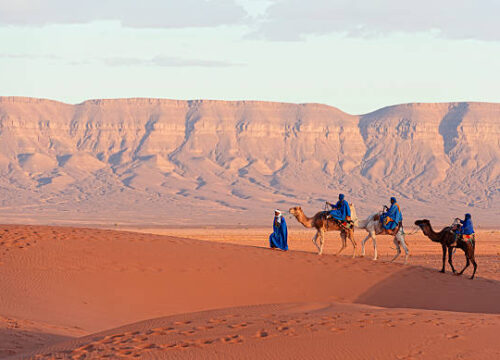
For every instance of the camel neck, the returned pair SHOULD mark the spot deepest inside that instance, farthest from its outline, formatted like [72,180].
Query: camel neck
[303,219]
[434,236]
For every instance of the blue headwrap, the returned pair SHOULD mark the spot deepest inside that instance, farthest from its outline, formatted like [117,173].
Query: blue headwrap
[468,216]
[341,197]
[393,200]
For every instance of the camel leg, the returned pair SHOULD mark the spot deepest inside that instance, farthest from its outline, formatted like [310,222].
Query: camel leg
[315,237]
[363,244]
[372,236]
[350,234]
[398,248]
[344,244]
[321,241]
[401,239]
[450,260]
[444,256]
[375,253]
[467,263]
[472,258]
[469,254]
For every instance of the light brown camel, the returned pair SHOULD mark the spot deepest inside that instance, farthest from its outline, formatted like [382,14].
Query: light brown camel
[321,224]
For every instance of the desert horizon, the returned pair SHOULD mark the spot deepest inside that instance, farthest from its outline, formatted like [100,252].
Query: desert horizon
[242,179]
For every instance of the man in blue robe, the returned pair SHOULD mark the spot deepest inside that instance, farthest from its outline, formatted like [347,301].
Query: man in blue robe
[341,210]
[279,237]
[392,217]
[466,228]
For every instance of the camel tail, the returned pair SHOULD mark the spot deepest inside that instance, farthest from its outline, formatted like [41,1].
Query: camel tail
[354,215]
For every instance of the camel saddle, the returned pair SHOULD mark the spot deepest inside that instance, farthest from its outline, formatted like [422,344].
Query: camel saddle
[346,225]
[396,229]
[467,238]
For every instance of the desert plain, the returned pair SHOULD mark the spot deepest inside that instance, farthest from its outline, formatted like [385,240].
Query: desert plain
[221,293]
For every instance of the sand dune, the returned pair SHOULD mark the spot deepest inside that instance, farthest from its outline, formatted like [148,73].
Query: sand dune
[294,331]
[84,281]
[149,160]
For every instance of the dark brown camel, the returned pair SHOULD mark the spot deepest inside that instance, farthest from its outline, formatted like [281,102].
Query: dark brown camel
[446,238]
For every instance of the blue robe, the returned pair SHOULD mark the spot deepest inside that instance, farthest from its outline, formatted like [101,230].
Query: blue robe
[467,228]
[279,237]
[392,217]
[341,211]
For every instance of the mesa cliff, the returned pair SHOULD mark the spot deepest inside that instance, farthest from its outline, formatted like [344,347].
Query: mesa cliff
[201,162]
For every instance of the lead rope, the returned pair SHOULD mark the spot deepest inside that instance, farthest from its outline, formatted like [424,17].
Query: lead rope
[411,233]
[407,234]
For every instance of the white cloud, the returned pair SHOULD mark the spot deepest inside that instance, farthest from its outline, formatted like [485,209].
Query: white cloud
[460,19]
[131,13]
[166,61]
[160,60]
[28,56]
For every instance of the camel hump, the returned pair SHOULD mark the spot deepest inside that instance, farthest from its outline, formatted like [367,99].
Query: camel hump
[321,214]
[376,217]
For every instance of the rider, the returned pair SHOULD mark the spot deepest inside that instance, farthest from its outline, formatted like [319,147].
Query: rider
[392,217]
[340,211]
[466,230]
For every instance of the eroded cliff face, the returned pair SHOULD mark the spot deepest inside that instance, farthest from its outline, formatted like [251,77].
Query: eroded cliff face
[170,161]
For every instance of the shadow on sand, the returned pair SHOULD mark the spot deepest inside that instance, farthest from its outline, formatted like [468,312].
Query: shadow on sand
[15,342]
[423,288]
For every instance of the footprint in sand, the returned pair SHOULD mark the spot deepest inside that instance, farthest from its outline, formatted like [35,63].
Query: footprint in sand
[336,329]
[182,322]
[232,339]
[262,334]
[187,332]
[202,327]
[240,325]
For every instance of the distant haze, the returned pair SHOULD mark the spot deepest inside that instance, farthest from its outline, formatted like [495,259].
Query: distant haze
[168,162]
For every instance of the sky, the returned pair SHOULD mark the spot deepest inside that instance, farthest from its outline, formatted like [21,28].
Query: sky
[355,55]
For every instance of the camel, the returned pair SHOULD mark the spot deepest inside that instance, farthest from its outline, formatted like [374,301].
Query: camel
[446,238]
[321,224]
[374,227]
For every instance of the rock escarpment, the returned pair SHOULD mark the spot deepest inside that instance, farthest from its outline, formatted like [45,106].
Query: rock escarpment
[185,162]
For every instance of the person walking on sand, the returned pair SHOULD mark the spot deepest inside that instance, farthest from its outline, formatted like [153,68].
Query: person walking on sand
[279,238]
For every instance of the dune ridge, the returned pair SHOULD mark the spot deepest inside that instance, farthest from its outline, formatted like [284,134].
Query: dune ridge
[292,331]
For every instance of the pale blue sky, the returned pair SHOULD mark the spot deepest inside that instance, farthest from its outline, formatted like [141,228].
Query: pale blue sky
[355,55]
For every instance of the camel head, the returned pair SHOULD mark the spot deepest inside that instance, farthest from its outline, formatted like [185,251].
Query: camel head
[301,217]
[296,211]
[425,225]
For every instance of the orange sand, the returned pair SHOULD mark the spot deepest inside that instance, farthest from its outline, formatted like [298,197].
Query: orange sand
[62,283]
